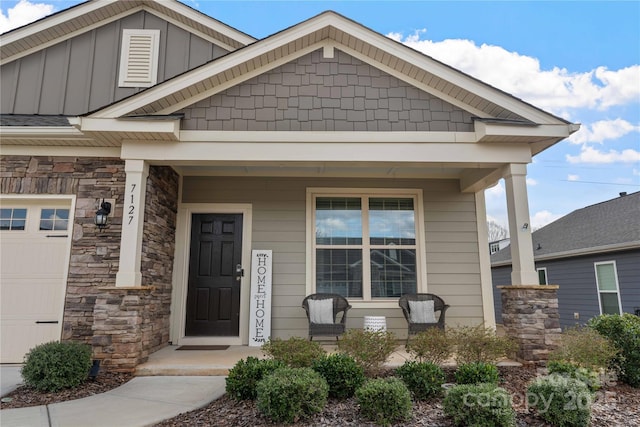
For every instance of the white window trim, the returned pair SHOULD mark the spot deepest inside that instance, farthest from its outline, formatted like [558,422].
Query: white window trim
[615,274]
[421,258]
[127,34]
[546,275]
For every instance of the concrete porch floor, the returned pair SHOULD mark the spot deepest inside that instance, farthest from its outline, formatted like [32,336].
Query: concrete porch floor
[170,361]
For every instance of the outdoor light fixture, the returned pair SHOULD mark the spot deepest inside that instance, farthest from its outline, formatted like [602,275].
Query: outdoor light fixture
[525,226]
[102,214]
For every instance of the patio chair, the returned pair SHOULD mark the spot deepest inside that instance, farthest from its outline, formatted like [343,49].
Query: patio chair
[324,314]
[421,312]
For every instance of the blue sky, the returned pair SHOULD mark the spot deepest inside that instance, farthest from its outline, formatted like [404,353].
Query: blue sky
[577,59]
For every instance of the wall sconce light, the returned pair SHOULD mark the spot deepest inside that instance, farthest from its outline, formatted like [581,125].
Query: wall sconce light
[102,214]
[525,226]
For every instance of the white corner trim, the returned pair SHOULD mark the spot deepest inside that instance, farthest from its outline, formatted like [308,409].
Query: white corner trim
[89,124]
[486,283]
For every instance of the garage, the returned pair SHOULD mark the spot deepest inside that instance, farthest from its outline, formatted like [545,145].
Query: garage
[35,238]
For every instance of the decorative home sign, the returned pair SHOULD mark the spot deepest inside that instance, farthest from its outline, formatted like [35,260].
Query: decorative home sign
[260,318]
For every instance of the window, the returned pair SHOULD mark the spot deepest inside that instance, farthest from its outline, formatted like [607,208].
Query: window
[494,247]
[365,246]
[54,219]
[13,219]
[607,282]
[542,276]
[139,58]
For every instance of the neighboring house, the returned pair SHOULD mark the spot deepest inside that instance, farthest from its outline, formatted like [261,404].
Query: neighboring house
[498,245]
[593,254]
[359,162]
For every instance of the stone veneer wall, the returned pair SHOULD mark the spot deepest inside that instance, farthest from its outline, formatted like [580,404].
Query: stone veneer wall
[131,323]
[94,254]
[530,316]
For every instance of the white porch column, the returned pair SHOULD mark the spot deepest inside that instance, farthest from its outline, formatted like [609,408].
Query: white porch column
[524,271]
[132,223]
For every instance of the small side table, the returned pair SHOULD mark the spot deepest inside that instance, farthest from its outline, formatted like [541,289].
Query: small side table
[375,323]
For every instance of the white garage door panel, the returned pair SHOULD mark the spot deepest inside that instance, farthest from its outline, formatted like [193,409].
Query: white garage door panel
[32,279]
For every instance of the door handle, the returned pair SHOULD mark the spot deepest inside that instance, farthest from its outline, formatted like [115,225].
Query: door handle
[239,272]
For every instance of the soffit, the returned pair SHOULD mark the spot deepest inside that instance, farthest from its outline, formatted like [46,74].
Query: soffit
[76,20]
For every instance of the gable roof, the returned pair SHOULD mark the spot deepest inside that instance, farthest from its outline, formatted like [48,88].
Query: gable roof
[84,17]
[603,227]
[330,30]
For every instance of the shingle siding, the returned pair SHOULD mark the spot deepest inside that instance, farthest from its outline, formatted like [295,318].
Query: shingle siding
[325,94]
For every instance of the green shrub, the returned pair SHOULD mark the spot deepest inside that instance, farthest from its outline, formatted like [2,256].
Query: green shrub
[570,370]
[479,405]
[342,373]
[370,349]
[54,366]
[584,347]
[477,373]
[295,352]
[424,380]
[432,345]
[624,332]
[385,401]
[289,394]
[480,344]
[561,401]
[244,376]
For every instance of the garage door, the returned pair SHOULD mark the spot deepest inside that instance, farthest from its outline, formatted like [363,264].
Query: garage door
[35,238]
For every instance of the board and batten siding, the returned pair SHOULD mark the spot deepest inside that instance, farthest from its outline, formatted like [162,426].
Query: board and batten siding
[576,277]
[279,221]
[80,74]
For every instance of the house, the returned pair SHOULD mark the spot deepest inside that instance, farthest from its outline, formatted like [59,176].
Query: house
[498,245]
[593,254]
[358,162]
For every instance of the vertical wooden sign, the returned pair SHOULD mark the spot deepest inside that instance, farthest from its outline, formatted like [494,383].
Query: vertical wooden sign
[260,317]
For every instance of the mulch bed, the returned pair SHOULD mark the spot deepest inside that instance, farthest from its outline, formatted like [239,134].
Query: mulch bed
[24,396]
[617,405]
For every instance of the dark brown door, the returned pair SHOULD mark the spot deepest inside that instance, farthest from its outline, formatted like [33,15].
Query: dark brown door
[213,295]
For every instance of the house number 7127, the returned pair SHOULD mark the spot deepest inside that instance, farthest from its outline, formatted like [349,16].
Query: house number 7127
[132,205]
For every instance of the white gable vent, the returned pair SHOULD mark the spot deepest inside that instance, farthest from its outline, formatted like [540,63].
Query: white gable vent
[139,58]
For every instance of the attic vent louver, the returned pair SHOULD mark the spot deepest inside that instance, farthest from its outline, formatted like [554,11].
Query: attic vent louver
[139,58]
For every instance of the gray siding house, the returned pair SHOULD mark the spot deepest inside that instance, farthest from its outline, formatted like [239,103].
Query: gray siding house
[360,163]
[593,254]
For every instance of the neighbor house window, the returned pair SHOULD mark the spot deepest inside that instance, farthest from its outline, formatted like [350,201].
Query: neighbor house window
[608,291]
[54,219]
[13,219]
[542,276]
[366,246]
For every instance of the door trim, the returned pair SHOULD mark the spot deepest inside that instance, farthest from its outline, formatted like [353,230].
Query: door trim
[181,272]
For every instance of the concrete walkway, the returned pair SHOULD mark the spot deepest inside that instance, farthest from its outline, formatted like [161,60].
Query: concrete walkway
[143,401]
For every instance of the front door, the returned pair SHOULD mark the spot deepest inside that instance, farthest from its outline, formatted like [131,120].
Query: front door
[213,294]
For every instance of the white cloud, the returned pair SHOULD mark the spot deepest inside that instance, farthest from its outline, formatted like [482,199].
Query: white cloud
[496,192]
[603,130]
[591,155]
[23,13]
[573,178]
[556,89]
[542,218]
[531,182]
[636,172]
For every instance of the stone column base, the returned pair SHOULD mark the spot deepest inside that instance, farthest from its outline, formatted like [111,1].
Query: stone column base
[530,316]
[120,319]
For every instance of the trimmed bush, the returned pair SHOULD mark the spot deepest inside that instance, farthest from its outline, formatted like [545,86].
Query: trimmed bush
[432,345]
[570,370]
[480,344]
[295,352]
[561,401]
[370,349]
[54,366]
[477,373]
[244,376]
[289,394]
[385,401]
[479,405]
[584,347]
[341,372]
[624,332]
[424,380]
